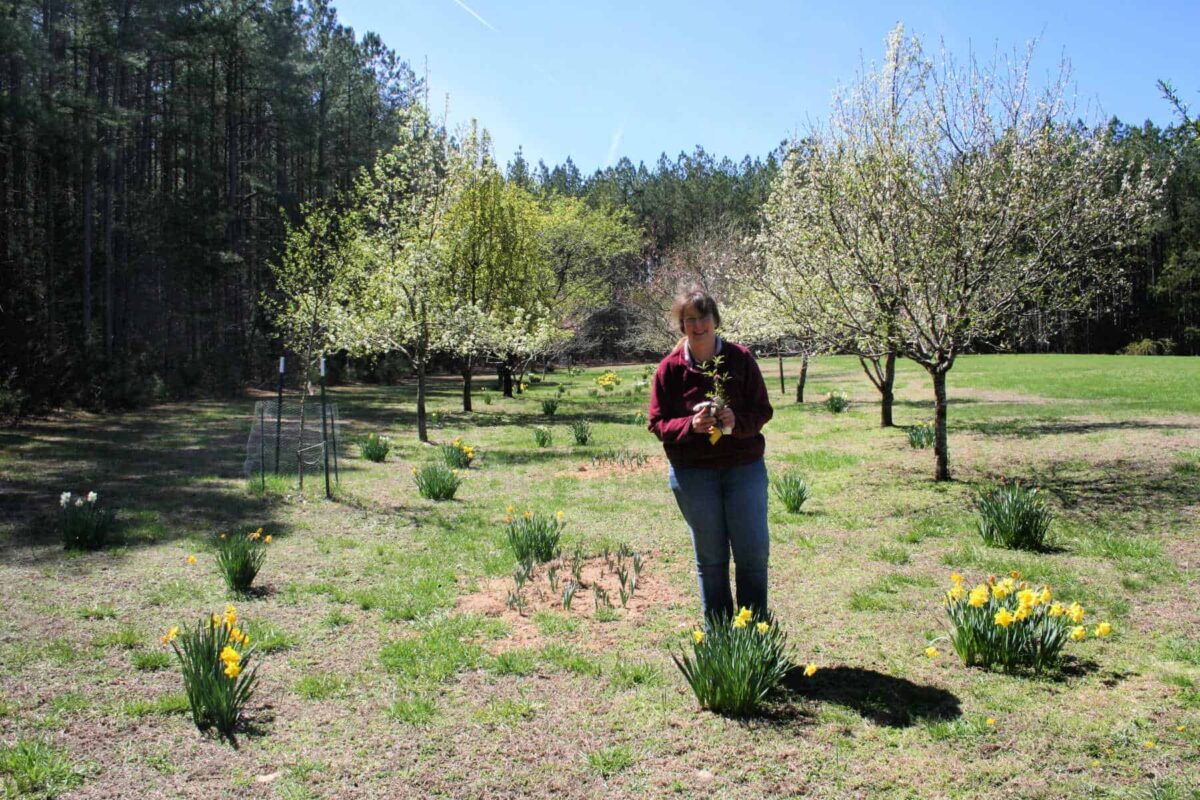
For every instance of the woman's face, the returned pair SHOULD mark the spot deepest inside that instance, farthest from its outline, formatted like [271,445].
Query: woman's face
[698,326]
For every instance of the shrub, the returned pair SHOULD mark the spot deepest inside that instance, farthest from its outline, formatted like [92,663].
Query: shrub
[457,454]
[374,447]
[1013,515]
[792,489]
[735,665]
[837,401]
[85,522]
[1011,624]
[921,436]
[543,436]
[436,481]
[534,537]
[1149,347]
[581,429]
[549,406]
[216,675]
[239,558]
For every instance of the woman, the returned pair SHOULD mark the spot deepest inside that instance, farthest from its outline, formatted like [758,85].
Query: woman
[719,479]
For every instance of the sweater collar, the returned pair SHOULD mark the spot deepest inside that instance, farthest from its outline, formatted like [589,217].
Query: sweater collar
[690,359]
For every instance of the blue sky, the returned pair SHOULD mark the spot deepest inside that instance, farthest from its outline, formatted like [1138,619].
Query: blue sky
[601,80]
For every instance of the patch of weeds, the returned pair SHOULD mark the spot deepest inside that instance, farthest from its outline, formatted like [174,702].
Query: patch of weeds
[163,706]
[891,554]
[1188,463]
[7,709]
[414,709]
[514,662]
[506,712]
[410,597]
[434,656]
[127,637]
[820,460]
[37,770]
[931,527]
[550,624]
[954,730]
[631,674]
[294,593]
[336,618]
[608,761]
[69,703]
[887,593]
[320,686]
[161,763]
[267,637]
[150,660]
[60,651]
[606,614]
[1180,649]
[101,611]
[179,592]
[569,659]
[277,487]
[1189,698]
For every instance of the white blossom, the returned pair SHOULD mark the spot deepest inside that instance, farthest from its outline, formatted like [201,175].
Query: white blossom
[64,499]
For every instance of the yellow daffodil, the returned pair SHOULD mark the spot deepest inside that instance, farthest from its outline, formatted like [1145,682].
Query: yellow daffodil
[1075,613]
[1056,610]
[1148,744]
[957,592]
[230,616]
[931,652]
[744,615]
[267,538]
[1015,575]
[956,579]
[1181,728]
[558,515]
[762,627]
[232,669]
[170,635]
[1004,618]
[216,620]
[528,514]
[738,622]
[979,595]
[697,636]
[509,510]
[191,559]
[810,670]
[1022,613]
[1078,633]
[990,722]
[1045,596]
[1103,629]
[255,534]
[1000,591]
[230,656]
[413,470]
[1027,598]
[235,635]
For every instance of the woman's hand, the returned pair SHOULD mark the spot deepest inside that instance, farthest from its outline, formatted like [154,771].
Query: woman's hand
[726,418]
[703,420]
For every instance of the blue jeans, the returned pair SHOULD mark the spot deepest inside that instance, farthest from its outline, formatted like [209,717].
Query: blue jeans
[726,509]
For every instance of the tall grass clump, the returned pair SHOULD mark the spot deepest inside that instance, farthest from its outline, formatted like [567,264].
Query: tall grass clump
[1013,515]
[239,558]
[550,407]
[581,429]
[1012,625]
[216,674]
[791,489]
[534,537]
[735,664]
[436,481]
[85,522]
[921,436]
[543,436]
[374,447]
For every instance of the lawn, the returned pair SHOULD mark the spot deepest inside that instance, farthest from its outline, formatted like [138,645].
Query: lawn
[392,666]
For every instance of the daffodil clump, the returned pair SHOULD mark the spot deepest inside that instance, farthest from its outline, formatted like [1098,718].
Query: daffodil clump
[837,401]
[85,523]
[214,657]
[735,664]
[457,454]
[608,381]
[436,481]
[374,447]
[1013,515]
[1011,624]
[534,537]
[239,558]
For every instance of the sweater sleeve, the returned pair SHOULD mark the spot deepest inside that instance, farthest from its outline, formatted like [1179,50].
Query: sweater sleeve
[667,429]
[757,411]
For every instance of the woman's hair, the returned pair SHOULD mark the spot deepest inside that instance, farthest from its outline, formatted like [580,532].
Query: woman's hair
[695,297]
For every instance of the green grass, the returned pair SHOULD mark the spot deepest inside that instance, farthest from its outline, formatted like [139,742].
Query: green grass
[427,698]
[35,769]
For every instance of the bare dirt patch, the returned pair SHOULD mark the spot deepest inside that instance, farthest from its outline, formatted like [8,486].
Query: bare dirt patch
[652,594]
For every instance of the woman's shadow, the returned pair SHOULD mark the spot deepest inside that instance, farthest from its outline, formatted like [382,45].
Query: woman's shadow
[883,699]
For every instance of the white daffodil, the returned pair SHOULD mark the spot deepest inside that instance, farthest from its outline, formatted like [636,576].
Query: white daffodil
[64,499]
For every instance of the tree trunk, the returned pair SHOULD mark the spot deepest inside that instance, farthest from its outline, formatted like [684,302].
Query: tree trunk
[506,379]
[803,378]
[942,454]
[887,392]
[782,385]
[466,376]
[422,430]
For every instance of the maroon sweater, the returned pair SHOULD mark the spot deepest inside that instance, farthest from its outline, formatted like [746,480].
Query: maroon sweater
[679,386]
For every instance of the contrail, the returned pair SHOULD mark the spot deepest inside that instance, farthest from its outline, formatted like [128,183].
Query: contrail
[612,147]
[471,11]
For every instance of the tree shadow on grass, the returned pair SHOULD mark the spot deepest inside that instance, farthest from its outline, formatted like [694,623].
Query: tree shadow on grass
[885,700]
[1033,427]
[1122,485]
